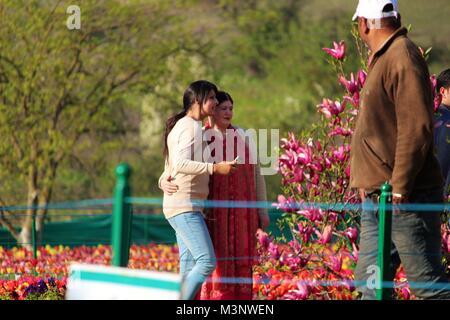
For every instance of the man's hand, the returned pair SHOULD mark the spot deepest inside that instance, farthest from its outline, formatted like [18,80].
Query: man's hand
[399,199]
[168,187]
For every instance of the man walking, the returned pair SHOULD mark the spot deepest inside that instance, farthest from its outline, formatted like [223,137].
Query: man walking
[393,141]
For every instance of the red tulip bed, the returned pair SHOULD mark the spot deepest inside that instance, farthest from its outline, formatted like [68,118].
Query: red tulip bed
[45,277]
[284,271]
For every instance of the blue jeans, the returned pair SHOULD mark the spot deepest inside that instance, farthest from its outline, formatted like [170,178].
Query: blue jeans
[416,239]
[197,257]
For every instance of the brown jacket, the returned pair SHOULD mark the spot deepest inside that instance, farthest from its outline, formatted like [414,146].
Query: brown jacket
[393,139]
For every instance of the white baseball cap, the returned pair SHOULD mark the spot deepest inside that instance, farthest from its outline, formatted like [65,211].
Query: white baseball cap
[373,9]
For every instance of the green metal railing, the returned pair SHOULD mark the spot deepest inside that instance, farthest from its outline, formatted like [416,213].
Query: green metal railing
[385,277]
[121,223]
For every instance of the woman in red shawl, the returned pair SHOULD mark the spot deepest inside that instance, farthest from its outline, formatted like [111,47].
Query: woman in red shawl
[232,229]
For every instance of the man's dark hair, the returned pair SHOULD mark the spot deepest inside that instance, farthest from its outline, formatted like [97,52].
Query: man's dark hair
[443,80]
[391,22]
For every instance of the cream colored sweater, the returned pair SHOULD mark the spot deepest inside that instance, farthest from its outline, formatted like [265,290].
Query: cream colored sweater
[188,167]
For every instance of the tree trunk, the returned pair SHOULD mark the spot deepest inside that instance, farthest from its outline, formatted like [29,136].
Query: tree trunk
[45,197]
[44,200]
[25,233]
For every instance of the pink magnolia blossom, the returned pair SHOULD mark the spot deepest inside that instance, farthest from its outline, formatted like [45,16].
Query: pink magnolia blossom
[305,155]
[352,234]
[298,176]
[340,131]
[286,204]
[312,214]
[301,293]
[305,232]
[290,143]
[353,100]
[295,245]
[437,95]
[347,171]
[331,108]
[315,180]
[332,216]
[352,85]
[318,146]
[325,236]
[328,163]
[293,261]
[338,52]
[274,251]
[354,113]
[290,158]
[336,263]
[341,153]
[362,76]
[316,166]
[263,238]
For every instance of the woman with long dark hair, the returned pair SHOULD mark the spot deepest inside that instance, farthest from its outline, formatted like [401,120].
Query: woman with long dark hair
[184,151]
[232,230]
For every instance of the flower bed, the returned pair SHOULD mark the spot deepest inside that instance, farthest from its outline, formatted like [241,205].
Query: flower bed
[45,277]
